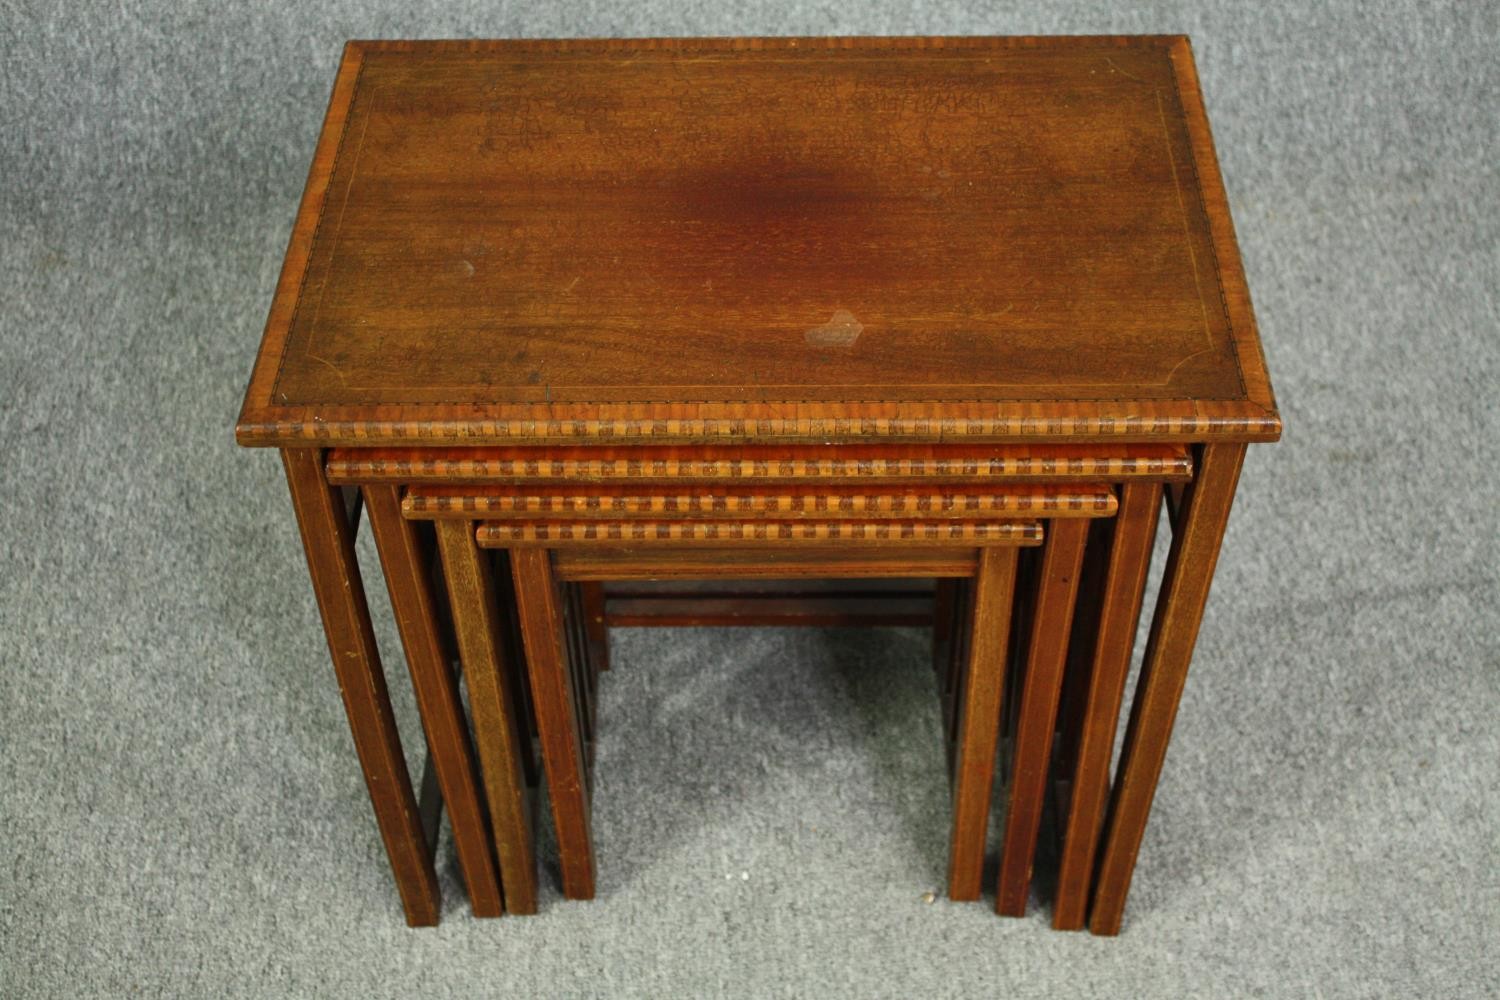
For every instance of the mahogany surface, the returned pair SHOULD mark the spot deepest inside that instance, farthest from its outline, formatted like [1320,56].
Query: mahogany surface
[762,239]
[1106,649]
[1202,519]
[761,272]
[407,562]
[498,733]
[978,720]
[328,541]
[1050,621]
[555,699]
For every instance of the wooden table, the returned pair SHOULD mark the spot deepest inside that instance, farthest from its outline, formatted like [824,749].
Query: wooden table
[575,249]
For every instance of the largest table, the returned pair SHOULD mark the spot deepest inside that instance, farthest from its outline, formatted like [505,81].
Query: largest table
[874,242]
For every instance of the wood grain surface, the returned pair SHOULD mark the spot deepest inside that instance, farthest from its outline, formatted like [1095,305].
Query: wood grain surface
[555,701]
[328,542]
[1051,621]
[1201,522]
[501,739]
[761,239]
[406,562]
[978,719]
[1106,653]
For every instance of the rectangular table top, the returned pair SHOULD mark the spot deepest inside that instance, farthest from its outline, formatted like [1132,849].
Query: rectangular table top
[762,240]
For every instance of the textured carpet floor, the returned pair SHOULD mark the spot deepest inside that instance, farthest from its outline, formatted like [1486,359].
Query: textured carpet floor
[180,810]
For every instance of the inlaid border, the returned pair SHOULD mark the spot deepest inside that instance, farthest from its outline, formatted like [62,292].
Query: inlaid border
[481,503]
[263,423]
[508,534]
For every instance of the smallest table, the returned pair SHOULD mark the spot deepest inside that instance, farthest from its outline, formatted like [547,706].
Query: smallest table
[574,249]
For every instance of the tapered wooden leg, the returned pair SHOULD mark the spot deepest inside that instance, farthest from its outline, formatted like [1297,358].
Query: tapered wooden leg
[1036,715]
[581,662]
[944,597]
[979,719]
[328,541]
[955,675]
[1202,516]
[405,561]
[1076,674]
[594,624]
[513,651]
[476,622]
[538,604]
[1107,664]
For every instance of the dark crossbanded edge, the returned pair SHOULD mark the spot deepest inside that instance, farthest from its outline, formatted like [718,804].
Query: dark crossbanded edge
[606,502]
[729,464]
[700,422]
[506,534]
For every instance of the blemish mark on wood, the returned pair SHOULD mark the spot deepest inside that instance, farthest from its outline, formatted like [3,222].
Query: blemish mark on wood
[841,330]
[343,379]
[1129,76]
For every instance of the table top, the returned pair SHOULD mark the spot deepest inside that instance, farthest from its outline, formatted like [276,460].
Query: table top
[710,240]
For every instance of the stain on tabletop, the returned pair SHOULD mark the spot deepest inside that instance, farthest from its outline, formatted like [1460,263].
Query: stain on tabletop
[841,330]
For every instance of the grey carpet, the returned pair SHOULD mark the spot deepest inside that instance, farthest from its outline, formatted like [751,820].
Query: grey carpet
[180,810]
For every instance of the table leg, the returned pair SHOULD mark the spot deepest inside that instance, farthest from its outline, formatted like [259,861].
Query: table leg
[476,622]
[1202,517]
[594,623]
[1041,686]
[405,561]
[943,600]
[979,719]
[328,542]
[1129,558]
[951,675]
[558,725]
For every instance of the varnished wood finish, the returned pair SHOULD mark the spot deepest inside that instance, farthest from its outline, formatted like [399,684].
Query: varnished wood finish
[718,465]
[328,542]
[1086,610]
[554,700]
[596,623]
[597,277]
[813,562]
[1108,663]
[952,668]
[405,562]
[775,502]
[565,704]
[585,676]
[430,807]
[1051,622]
[944,595]
[519,534]
[1201,521]
[516,676]
[979,720]
[825,238]
[471,595]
